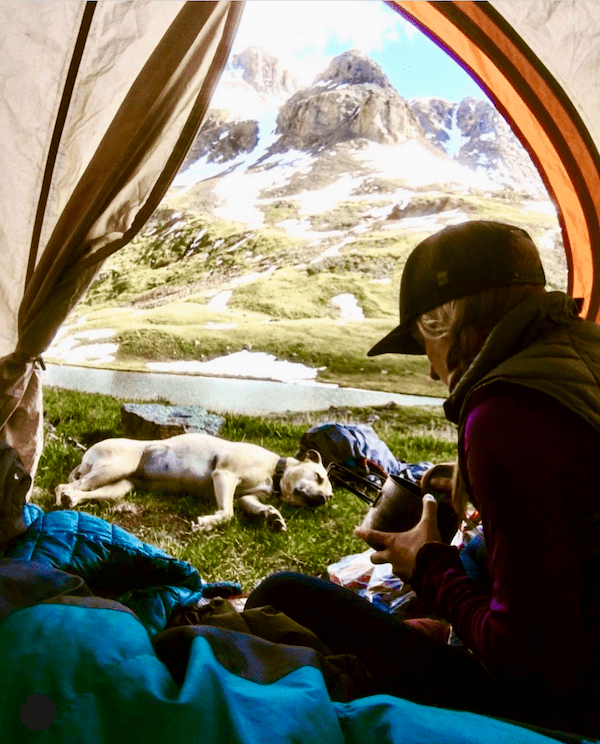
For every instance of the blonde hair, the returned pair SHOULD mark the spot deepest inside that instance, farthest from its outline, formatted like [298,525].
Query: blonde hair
[468,321]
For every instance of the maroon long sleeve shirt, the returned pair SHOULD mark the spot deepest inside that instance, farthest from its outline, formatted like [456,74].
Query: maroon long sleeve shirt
[534,473]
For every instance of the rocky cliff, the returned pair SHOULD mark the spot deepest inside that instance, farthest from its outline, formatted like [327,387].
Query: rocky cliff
[475,134]
[263,72]
[351,99]
[220,141]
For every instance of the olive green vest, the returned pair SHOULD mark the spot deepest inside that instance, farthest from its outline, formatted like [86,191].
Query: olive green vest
[542,344]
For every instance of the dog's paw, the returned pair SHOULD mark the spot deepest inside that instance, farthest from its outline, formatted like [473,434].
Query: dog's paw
[202,526]
[64,500]
[276,522]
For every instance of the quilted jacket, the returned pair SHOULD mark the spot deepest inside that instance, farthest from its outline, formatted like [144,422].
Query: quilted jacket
[114,563]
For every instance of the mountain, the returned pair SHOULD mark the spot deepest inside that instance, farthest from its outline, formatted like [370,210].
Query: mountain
[253,86]
[259,113]
[351,99]
[475,134]
[294,213]
[348,157]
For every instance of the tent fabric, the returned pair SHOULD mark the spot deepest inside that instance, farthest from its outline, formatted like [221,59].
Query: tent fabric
[538,62]
[99,104]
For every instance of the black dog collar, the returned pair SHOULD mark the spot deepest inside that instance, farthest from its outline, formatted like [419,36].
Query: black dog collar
[278,474]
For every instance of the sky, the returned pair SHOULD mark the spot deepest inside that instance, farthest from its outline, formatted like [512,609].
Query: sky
[307,34]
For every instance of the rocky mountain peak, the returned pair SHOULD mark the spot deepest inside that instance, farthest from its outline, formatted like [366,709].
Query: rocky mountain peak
[351,100]
[475,117]
[264,72]
[353,68]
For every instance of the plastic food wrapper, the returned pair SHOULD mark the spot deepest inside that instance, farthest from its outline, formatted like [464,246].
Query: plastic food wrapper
[376,583]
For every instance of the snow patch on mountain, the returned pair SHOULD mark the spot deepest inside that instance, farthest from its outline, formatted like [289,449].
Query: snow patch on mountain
[419,166]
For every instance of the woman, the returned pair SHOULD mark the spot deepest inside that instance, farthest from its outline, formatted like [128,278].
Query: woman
[522,370]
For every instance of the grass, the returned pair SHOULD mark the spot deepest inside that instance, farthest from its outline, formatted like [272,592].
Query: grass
[338,348]
[279,211]
[178,250]
[343,216]
[240,550]
[291,293]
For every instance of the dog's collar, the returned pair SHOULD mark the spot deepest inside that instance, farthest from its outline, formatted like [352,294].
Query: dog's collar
[278,474]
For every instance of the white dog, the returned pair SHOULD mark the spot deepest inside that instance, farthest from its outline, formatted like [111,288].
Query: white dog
[199,464]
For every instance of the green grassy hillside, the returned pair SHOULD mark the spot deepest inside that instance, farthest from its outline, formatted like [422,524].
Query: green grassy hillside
[158,293]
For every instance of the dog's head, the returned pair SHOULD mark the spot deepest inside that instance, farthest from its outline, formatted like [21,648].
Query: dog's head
[306,483]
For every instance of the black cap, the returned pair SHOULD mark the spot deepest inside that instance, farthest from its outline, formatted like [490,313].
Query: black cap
[458,261]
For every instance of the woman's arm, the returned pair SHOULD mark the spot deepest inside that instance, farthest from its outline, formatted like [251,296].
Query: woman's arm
[528,459]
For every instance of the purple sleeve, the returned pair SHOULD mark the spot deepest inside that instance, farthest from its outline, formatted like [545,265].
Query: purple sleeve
[528,462]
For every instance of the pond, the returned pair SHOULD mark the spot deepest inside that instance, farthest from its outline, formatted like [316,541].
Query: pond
[222,394]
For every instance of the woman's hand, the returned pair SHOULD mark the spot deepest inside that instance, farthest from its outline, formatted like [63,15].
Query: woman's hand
[401,548]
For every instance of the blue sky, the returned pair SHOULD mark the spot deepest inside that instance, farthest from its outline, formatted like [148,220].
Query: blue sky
[306,34]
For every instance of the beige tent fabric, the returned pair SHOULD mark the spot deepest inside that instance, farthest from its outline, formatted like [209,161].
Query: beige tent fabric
[99,103]
[564,36]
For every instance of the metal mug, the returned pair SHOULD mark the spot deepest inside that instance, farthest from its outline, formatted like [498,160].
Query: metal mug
[399,505]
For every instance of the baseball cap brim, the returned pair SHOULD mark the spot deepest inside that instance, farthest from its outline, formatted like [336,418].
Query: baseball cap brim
[399,341]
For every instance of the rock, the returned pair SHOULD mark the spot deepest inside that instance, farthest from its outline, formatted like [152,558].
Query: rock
[154,421]
[352,99]
[423,206]
[264,72]
[222,141]
[354,68]
[492,146]
[436,116]
[476,135]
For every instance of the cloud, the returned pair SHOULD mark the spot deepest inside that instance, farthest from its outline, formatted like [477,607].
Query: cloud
[307,30]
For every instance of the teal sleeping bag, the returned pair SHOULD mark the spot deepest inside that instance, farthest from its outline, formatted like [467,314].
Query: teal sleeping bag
[89,675]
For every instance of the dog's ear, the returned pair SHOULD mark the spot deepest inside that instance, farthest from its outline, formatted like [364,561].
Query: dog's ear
[313,455]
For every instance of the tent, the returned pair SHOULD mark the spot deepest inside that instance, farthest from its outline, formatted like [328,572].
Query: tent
[99,103]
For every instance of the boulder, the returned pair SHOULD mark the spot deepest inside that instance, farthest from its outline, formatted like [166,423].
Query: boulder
[155,421]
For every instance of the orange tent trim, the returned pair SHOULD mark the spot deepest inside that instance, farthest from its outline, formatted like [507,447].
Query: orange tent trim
[541,115]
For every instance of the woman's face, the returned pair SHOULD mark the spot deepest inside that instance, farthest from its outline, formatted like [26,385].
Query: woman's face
[437,353]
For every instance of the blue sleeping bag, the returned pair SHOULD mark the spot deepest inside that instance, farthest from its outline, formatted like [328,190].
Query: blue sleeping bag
[77,668]
[77,673]
[114,563]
